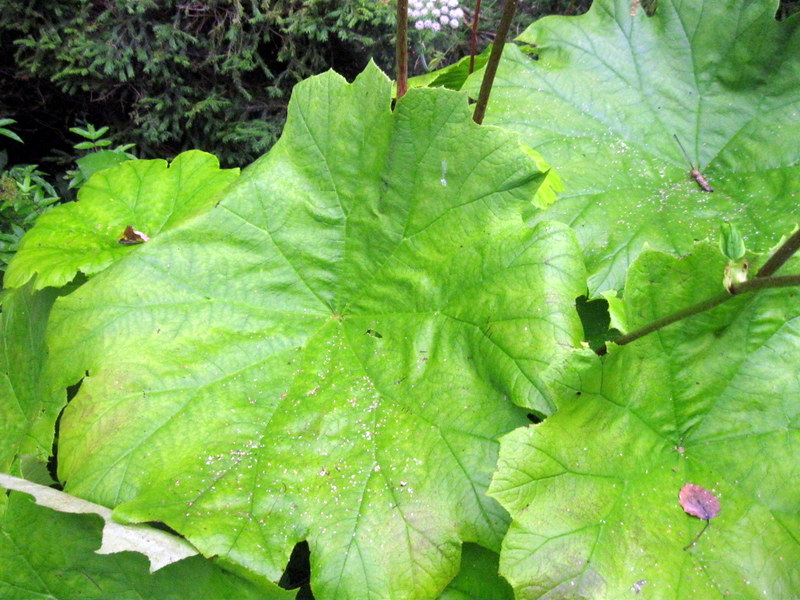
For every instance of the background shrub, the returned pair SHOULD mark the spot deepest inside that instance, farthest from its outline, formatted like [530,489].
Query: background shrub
[170,75]
[174,74]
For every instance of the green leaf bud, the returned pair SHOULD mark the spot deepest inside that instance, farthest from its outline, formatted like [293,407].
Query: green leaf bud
[731,243]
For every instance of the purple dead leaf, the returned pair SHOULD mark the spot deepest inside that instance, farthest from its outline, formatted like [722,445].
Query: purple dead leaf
[698,502]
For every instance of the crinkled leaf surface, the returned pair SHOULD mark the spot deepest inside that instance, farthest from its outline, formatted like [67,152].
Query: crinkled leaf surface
[712,400]
[150,195]
[48,554]
[332,352]
[610,90]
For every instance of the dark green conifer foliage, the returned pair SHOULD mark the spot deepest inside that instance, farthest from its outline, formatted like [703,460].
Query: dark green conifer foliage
[175,74]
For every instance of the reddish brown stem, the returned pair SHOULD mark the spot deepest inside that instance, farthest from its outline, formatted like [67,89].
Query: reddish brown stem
[782,254]
[760,283]
[474,46]
[401,48]
[494,60]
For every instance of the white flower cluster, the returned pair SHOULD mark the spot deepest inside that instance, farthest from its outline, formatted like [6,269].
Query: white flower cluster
[435,14]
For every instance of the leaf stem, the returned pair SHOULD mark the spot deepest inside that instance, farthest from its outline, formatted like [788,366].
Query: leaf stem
[709,303]
[764,283]
[473,50]
[494,60]
[706,304]
[697,537]
[401,48]
[781,255]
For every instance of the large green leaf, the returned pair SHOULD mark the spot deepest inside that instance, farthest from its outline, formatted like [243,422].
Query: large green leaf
[149,195]
[48,554]
[332,352]
[712,401]
[607,91]
[23,401]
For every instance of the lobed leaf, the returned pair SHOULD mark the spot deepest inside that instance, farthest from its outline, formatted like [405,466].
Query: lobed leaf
[593,491]
[149,195]
[332,352]
[604,94]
